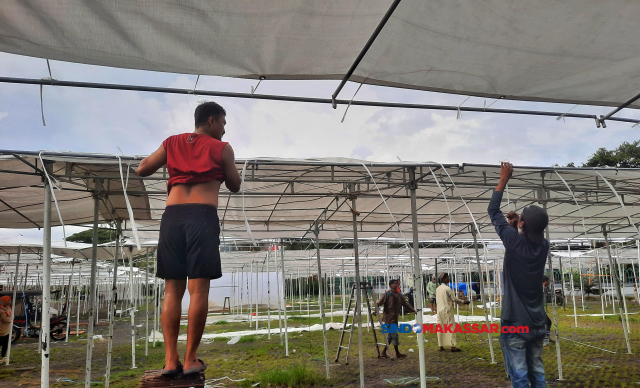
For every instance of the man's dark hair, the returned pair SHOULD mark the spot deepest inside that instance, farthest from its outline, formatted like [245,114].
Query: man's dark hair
[545,278]
[206,110]
[393,281]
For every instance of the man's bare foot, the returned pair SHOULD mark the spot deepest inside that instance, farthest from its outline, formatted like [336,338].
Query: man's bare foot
[188,364]
[384,354]
[400,356]
[172,364]
[440,349]
[172,368]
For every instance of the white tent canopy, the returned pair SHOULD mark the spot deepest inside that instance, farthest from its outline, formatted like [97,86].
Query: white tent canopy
[284,198]
[571,51]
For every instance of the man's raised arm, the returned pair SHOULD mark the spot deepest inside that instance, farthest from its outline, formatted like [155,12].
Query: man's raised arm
[504,230]
[231,176]
[153,162]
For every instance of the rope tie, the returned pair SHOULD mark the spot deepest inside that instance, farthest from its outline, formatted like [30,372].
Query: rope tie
[459,116]
[134,228]
[253,89]
[350,101]
[562,115]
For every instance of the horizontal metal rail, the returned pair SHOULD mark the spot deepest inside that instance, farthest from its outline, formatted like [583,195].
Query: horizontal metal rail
[139,88]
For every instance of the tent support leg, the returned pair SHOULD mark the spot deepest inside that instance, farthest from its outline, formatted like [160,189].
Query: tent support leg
[286,334]
[92,285]
[417,275]
[321,302]
[355,214]
[112,304]
[614,274]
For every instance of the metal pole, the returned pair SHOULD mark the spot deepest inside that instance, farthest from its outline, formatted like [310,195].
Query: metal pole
[146,294]
[600,281]
[573,293]
[451,108]
[155,301]
[46,291]
[78,307]
[94,266]
[275,259]
[573,289]
[616,281]
[112,303]
[564,294]
[132,310]
[474,232]
[13,305]
[624,299]
[355,214]
[268,299]
[321,302]
[68,302]
[366,47]
[332,290]
[257,294]
[417,275]
[250,290]
[286,334]
[553,291]
[580,280]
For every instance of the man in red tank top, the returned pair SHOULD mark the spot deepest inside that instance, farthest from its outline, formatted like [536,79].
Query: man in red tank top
[189,243]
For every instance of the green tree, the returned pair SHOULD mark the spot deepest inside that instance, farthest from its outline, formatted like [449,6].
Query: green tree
[104,235]
[627,155]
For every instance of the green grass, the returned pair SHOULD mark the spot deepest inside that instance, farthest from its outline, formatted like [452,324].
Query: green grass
[293,376]
[247,338]
[257,359]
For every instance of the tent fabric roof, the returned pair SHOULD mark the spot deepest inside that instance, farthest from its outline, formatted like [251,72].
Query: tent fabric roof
[22,192]
[285,198]
[573,51]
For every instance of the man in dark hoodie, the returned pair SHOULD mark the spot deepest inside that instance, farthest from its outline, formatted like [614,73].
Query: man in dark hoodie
[523,304]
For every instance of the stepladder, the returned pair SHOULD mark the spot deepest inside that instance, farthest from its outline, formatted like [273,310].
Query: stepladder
[226,305]
[352,312]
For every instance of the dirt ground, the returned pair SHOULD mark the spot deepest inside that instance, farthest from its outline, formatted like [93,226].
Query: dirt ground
[583,366]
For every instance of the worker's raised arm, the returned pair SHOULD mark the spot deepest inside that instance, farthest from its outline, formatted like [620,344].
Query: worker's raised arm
[153,162]
[231,176]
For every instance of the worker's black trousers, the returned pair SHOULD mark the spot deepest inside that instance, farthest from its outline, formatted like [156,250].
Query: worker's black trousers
[4,342]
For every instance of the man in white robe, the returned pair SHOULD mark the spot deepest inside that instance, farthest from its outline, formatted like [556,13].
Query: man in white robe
[446,300]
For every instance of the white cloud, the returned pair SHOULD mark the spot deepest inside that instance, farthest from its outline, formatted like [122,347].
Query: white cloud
[3,115]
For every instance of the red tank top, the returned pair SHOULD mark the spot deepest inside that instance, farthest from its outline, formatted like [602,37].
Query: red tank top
[193,158]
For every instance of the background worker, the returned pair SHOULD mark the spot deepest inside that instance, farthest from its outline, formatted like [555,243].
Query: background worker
[393,302]
[189,243]
[5,325]
[431,291]
[525,256]
[446,300]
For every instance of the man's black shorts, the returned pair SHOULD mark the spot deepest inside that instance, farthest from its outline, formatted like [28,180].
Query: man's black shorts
[189,244]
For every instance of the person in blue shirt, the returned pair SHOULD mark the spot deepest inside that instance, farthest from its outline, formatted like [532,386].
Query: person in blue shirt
[523,304]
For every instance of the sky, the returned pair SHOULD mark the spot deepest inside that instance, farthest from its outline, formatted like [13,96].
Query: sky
[135,123]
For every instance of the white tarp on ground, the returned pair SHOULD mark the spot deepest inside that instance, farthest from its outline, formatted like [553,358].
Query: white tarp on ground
[428,319]
[577,51]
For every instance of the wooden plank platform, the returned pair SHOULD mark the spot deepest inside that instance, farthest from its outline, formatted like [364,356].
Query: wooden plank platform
[153,379]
